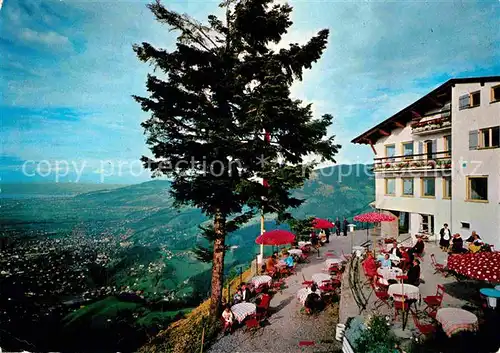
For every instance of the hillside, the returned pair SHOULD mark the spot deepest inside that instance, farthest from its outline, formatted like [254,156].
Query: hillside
[143,216]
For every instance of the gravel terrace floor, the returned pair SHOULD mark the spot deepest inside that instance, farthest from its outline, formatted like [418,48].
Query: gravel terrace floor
[287,325]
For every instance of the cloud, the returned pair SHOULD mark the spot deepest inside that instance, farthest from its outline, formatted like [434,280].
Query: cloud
[380,58]
[46,38]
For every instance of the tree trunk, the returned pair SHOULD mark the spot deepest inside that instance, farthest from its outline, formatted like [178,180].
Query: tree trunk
[218,265]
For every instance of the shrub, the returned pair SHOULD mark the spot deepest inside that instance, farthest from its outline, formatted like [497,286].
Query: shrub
[377,337]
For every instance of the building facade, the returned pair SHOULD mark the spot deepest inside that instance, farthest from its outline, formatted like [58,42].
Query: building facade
[438,161]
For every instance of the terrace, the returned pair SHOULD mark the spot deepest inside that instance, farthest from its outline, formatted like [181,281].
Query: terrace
[432,124]
[414,162]
[421,330]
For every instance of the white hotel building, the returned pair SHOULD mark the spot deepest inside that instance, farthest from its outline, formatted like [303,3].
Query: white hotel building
[438,161]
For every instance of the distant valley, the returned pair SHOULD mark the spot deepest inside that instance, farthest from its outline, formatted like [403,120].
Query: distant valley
[93,241]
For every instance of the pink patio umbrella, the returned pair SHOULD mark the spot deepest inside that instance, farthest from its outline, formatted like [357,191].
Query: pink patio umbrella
[483,266]
[373,217]
[320,223]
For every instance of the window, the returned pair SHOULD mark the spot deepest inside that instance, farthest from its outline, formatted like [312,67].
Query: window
[469,100]
[447,145]
[428,187]
[407,186]
[408,150]
[477,188]
[475,99]
[464,102]
[447,188]
[489,137]
[390,186]
[390,150]
[495,94]
[465,225]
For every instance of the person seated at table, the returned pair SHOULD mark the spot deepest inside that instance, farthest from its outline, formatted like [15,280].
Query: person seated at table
[457,245]
[405,260]
[238,296]
[288,260]
[263,300]
[395,250]
[475,242]
[228,318]
[369,265]
[417,249]
[386,262]
[313,302]
[246,294]
[413,273]
[271,263]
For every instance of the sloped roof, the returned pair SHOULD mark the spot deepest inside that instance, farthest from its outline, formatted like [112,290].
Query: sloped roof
[432,100]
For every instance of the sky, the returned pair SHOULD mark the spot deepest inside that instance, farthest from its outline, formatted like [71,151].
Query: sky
[68,72]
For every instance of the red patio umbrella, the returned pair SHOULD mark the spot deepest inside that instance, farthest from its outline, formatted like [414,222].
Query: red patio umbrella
[275,237]
[484,266]
[320,223]
[373,217]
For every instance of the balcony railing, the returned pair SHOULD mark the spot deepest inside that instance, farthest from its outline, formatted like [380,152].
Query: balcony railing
[414,162]
[441,123]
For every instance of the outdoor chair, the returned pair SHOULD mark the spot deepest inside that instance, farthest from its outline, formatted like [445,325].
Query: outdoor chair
[438,268]
[424,329]
[327,287]
[252,323]
[382,296]
[433,302]
[277,285]
[261,287]
[262,311]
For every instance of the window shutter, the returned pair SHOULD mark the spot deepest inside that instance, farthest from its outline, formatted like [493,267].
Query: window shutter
[464,101]
[473,139]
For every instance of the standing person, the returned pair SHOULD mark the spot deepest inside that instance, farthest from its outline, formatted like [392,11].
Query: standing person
[345,224]
[445,234]
[337,226]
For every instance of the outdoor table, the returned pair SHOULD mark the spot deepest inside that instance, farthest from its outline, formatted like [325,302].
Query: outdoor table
[318,278]
[389,273]
[491,296]
[334,261]
[242,310]
[456,320]
[297,252]
[302,295]
[304,243]
[411,292]
[258,280]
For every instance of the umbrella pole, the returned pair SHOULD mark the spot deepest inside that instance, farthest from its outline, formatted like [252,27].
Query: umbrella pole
[262,232]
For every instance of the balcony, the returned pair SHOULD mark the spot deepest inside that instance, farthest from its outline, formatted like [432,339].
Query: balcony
[439,123]
[413,163]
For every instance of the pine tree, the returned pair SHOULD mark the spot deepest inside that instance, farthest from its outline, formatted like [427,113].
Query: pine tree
[220,88]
